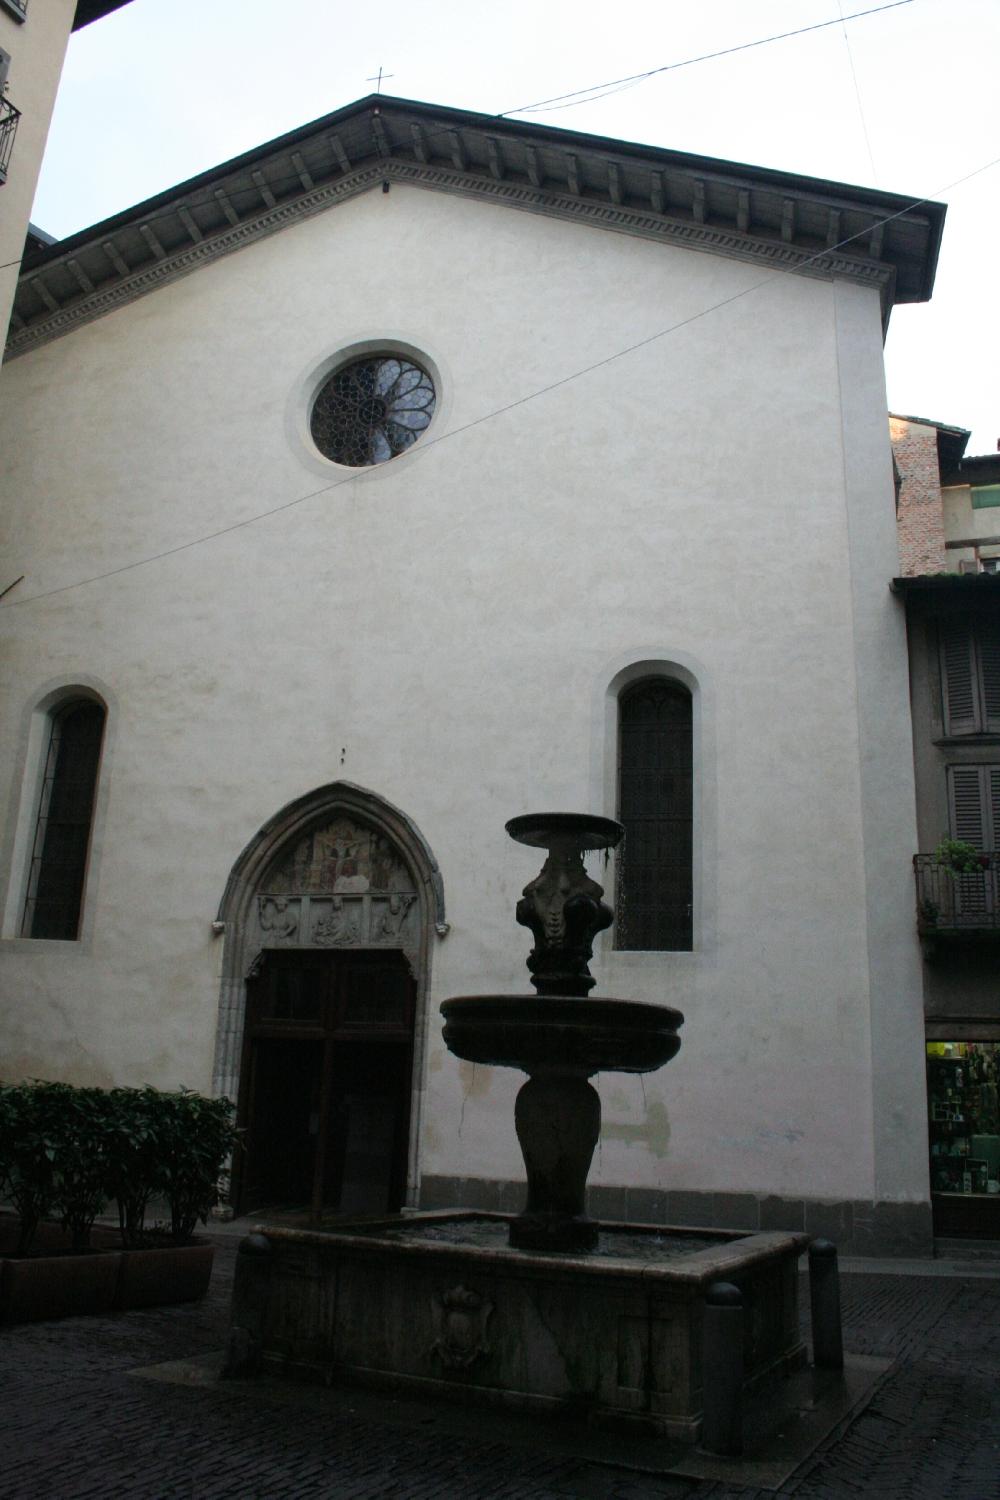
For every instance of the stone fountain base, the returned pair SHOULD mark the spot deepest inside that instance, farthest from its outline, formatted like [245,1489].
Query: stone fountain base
[439,1303]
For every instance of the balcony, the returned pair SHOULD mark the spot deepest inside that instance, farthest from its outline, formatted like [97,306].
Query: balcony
[17,8]
[9,117]
[956,907]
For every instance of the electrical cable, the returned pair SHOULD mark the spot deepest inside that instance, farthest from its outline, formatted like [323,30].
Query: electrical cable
[857,95]
[429,444]
[633,78]
[235,194]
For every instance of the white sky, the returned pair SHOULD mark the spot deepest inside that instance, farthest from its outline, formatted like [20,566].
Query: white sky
[164,89]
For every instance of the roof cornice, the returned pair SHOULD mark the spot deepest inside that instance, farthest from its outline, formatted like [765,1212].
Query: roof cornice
[754,214]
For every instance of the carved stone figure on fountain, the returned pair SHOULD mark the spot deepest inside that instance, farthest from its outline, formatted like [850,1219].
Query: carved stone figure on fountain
[563,909]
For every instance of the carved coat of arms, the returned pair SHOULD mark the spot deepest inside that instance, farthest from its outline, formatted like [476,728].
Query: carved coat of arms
[460,1319]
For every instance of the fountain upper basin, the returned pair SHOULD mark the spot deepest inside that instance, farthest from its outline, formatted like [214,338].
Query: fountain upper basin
[532,1032]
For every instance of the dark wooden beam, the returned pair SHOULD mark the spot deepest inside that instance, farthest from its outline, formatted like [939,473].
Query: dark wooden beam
[184,214]
[305,177]
[116,259]
[265,192]
[227,208]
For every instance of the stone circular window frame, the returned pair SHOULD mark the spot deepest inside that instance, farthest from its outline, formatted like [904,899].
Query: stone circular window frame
[315,376]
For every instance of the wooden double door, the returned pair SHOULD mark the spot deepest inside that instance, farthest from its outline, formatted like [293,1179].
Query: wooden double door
[326,1082]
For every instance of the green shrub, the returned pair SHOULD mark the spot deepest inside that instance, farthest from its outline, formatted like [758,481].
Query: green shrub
[83,1145]
[133,1166]
[29,1129]
[68,1151]
[195,1138]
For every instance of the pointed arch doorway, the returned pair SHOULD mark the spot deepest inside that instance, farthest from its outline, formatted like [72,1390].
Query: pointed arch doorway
[328,917]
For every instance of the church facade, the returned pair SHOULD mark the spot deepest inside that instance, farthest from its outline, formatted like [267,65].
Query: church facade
[415,471]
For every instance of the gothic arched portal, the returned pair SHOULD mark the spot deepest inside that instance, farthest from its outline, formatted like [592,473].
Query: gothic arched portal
[328,917]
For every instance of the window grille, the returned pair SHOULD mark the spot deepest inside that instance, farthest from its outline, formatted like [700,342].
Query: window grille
[654,886]
[372,410]
[65,814]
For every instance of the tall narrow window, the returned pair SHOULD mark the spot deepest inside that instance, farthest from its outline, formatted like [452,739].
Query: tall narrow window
[654,891]
[65,814]
[970,673]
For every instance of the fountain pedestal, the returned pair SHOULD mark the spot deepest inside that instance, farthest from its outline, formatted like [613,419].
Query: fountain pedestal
[558,1120]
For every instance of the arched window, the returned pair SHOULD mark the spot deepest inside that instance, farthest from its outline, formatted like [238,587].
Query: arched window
[65,814]
[654,889]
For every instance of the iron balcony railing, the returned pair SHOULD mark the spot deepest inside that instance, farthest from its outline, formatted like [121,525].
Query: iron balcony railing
[949,903]
[9,117]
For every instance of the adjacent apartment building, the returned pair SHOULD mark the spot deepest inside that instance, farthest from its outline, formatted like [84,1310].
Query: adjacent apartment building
[949,527]
[33,37]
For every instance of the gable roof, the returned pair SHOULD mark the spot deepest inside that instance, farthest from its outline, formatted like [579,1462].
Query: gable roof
[778,219]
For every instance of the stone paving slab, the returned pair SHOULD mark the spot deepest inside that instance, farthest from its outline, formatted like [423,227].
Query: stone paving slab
[74,1422]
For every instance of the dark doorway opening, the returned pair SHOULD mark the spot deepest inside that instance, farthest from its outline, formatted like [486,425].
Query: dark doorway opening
[326,1082]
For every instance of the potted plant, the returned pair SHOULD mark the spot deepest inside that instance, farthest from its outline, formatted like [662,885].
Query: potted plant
[960,857]
[183,1142]
[26,1177]
[55,1161]
[64,1153]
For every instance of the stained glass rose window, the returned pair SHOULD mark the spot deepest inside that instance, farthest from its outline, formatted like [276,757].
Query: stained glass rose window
[371,410]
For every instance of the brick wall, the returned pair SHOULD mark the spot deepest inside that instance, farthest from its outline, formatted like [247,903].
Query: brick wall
[919,518]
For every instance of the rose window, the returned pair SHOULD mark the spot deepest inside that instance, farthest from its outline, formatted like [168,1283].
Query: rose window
[371,410]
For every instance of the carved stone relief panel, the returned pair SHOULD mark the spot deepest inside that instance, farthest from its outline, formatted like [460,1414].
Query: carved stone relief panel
[342,885]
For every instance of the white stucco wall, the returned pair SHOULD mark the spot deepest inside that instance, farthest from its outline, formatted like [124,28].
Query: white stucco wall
[444,631]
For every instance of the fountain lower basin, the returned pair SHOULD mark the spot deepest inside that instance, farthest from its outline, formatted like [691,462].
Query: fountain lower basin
[439,1303]
[531,1032]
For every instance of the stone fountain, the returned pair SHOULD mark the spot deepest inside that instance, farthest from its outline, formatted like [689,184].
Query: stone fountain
[545,1309]
[559,1037]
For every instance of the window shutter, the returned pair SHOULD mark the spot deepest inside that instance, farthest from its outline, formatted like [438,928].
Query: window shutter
[993,787]
[989,655]
[958,676]
[967,804]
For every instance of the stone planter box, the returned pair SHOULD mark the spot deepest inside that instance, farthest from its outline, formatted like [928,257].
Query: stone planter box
[163,1275]
[61,1284]
[58,1286]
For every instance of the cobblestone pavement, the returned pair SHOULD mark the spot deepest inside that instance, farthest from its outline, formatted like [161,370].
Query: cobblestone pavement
[75,1422]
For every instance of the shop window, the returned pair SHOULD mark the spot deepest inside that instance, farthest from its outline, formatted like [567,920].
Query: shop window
[65,814]
[654,885]
[970,674]
[964,1132]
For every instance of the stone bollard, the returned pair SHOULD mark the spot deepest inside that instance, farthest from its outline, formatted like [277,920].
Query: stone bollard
[824,1299]
[722,1370]
[251,1285]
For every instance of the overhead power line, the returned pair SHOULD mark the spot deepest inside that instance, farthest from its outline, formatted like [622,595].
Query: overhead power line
[598,90]
[429,444]
[208,201]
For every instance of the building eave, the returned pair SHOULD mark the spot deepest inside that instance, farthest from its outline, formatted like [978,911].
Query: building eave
[775,219]
[93,10]
[961,587]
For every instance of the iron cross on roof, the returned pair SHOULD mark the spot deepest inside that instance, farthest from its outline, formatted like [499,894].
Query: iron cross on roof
[377,79]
